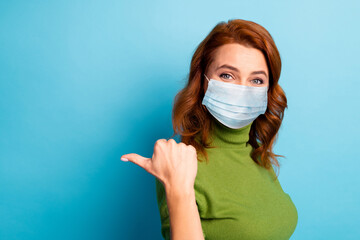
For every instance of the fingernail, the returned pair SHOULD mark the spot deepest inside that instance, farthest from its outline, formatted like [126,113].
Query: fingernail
[124,159]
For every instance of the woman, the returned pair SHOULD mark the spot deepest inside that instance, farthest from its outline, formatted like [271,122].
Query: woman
[229,115]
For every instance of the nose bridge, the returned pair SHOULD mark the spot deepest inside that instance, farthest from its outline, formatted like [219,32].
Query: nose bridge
[241,81]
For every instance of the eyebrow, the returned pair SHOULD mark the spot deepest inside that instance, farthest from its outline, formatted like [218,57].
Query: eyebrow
[237,70]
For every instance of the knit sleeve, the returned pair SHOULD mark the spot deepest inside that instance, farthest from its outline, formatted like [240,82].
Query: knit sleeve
[163,209]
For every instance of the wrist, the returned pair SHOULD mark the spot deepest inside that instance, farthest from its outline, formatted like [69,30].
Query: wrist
[175,192]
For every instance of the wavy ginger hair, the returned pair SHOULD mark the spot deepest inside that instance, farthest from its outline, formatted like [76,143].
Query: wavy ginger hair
[190,117]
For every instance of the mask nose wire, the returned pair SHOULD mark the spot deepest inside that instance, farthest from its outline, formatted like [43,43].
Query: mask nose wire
[207,77]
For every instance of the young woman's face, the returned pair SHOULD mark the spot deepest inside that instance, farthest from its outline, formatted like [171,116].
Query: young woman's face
[237,64]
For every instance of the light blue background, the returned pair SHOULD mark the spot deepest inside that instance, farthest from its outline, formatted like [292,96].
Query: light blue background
[84,82]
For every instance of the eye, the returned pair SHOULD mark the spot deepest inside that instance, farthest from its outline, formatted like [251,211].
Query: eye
[259,81]
[226,75]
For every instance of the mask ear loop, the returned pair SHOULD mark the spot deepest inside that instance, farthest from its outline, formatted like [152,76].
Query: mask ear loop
[207,77]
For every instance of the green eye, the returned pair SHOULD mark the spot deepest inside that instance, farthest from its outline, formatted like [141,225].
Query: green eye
[260,81]
[225,74]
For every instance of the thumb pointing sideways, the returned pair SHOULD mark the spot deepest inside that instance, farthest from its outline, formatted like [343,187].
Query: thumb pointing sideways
[137,159]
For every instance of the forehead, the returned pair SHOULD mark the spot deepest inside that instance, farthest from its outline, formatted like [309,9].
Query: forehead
[239,56]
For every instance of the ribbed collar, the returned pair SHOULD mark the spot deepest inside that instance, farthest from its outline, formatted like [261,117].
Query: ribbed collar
[225,137]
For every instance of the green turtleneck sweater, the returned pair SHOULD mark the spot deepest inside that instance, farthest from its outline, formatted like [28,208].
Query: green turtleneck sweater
[237,199]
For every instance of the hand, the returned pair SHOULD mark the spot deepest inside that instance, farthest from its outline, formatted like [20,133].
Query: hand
[174,164]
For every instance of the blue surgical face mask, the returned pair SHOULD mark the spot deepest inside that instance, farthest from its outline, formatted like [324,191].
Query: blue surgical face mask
[234,105]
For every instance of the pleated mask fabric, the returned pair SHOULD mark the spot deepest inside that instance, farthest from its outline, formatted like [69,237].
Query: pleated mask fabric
[235,105]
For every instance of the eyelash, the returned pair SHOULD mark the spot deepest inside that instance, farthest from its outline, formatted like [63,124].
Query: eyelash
[262,81]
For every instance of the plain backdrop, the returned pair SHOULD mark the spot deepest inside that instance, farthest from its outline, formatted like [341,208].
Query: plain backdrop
[84,82]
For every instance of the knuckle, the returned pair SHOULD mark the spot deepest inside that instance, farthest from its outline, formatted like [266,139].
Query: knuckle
[192,148]
[159,142]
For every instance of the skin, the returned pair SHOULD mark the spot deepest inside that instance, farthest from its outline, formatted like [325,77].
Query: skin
[245,59]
